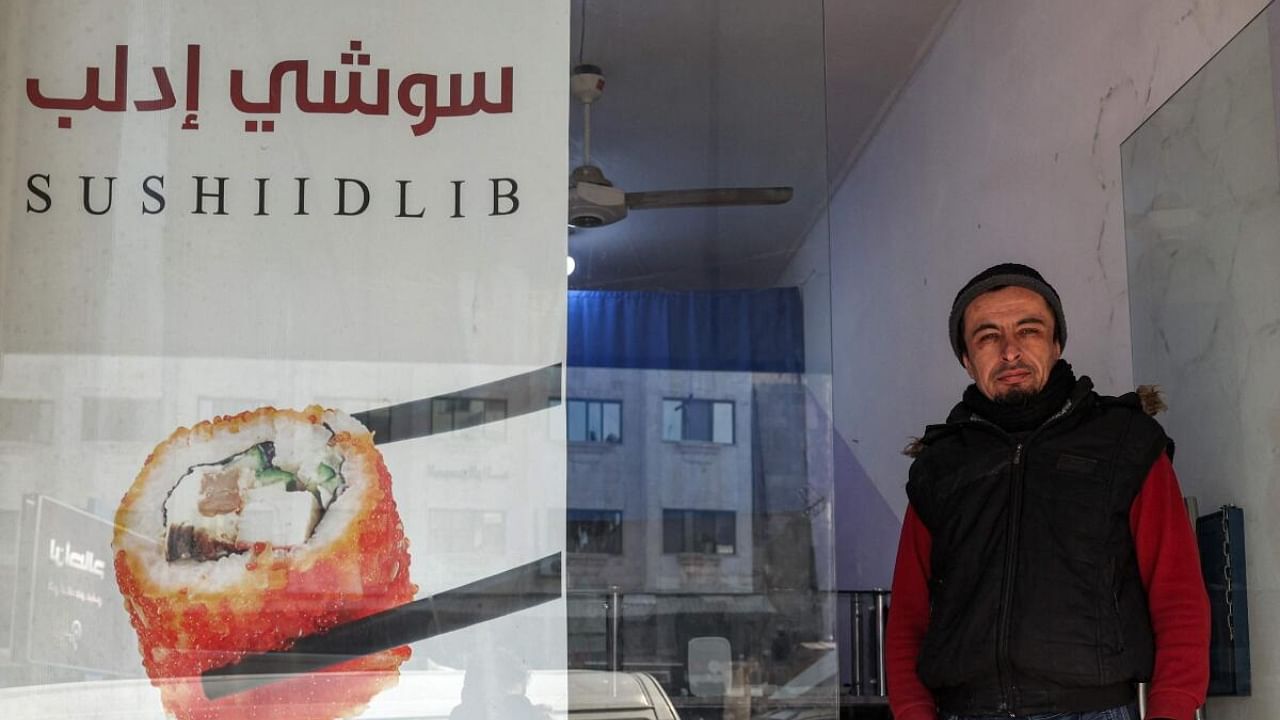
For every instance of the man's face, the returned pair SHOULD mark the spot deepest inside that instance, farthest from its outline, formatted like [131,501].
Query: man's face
[1009,345]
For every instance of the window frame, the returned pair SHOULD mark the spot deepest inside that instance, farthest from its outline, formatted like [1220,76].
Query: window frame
[489,405]
[587,401]
[711,402]
[688,541]
[599,516]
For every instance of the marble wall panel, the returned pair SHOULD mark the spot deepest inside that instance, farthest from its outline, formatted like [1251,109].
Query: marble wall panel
[1202,221]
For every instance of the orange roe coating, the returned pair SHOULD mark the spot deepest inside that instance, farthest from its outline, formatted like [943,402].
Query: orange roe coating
[278,598]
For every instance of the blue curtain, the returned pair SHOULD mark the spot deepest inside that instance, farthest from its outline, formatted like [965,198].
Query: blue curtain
[747,330]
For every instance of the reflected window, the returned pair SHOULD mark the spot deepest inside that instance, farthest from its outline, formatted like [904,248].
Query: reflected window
[26,421]
[708,532]
[595,531]
[696,420]
[456,413]
[595,421]
[120,419]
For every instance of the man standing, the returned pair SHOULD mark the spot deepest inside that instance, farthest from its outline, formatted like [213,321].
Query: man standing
[1046,563]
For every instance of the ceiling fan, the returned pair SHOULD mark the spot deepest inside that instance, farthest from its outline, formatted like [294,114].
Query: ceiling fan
[594,201]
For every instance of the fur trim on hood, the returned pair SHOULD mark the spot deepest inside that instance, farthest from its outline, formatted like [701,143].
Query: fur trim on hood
[1152,399]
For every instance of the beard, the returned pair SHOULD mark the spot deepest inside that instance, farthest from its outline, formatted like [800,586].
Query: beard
[1017,397]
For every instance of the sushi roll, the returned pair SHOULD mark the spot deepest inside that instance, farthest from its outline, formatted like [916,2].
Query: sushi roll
[244,533]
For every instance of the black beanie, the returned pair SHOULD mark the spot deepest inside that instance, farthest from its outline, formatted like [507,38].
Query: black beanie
[998,276]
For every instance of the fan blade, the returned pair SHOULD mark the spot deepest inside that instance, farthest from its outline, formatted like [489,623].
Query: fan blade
[704,197]
[599,194]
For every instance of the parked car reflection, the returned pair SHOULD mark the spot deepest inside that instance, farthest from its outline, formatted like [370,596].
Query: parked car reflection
[419,695]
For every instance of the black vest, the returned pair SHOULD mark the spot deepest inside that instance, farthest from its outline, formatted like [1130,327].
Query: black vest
[1036,600]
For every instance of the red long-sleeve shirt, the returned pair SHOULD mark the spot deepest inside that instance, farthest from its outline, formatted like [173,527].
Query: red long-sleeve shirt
[1170,567]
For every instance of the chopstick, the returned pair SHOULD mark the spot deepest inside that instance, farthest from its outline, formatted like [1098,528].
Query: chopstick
[510,591]
[507,592]
[522,394]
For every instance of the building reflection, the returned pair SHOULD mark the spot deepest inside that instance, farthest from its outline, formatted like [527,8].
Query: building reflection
[698,535]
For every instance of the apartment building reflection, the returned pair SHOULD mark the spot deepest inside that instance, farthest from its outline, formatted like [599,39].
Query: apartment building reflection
[696,532]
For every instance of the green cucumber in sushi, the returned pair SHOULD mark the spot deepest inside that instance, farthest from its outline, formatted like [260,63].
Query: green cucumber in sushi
[222,508]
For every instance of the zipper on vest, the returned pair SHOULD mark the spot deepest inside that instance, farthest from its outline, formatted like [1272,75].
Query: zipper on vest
[1007,688]
[1008,691]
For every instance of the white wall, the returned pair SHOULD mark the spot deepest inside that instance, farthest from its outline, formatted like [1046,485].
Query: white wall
[1005,146]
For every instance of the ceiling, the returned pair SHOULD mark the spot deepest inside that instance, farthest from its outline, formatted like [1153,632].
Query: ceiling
[731,93]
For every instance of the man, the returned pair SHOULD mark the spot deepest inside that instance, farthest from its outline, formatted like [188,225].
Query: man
[1046,563]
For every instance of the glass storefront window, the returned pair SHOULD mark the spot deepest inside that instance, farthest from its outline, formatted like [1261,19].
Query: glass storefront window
[699,547]
[300,416]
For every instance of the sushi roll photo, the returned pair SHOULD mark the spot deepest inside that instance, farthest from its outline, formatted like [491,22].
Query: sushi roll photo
[242,534]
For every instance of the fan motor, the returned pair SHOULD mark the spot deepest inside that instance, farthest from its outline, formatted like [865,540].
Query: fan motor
[585,214]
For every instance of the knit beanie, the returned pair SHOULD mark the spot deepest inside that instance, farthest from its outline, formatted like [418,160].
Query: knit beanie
[999,276]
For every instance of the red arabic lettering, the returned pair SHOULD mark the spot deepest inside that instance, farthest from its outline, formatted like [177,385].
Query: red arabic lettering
[417,93]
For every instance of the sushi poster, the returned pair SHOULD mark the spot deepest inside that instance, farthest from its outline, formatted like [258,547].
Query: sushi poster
[282,299]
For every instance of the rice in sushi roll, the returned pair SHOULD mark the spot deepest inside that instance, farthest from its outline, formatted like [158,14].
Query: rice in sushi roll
[244,533]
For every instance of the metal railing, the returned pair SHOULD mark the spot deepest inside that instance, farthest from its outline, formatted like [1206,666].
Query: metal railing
[868,615]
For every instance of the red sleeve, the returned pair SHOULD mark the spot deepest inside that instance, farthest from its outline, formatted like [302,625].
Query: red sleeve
[1170,567]
[909,699]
